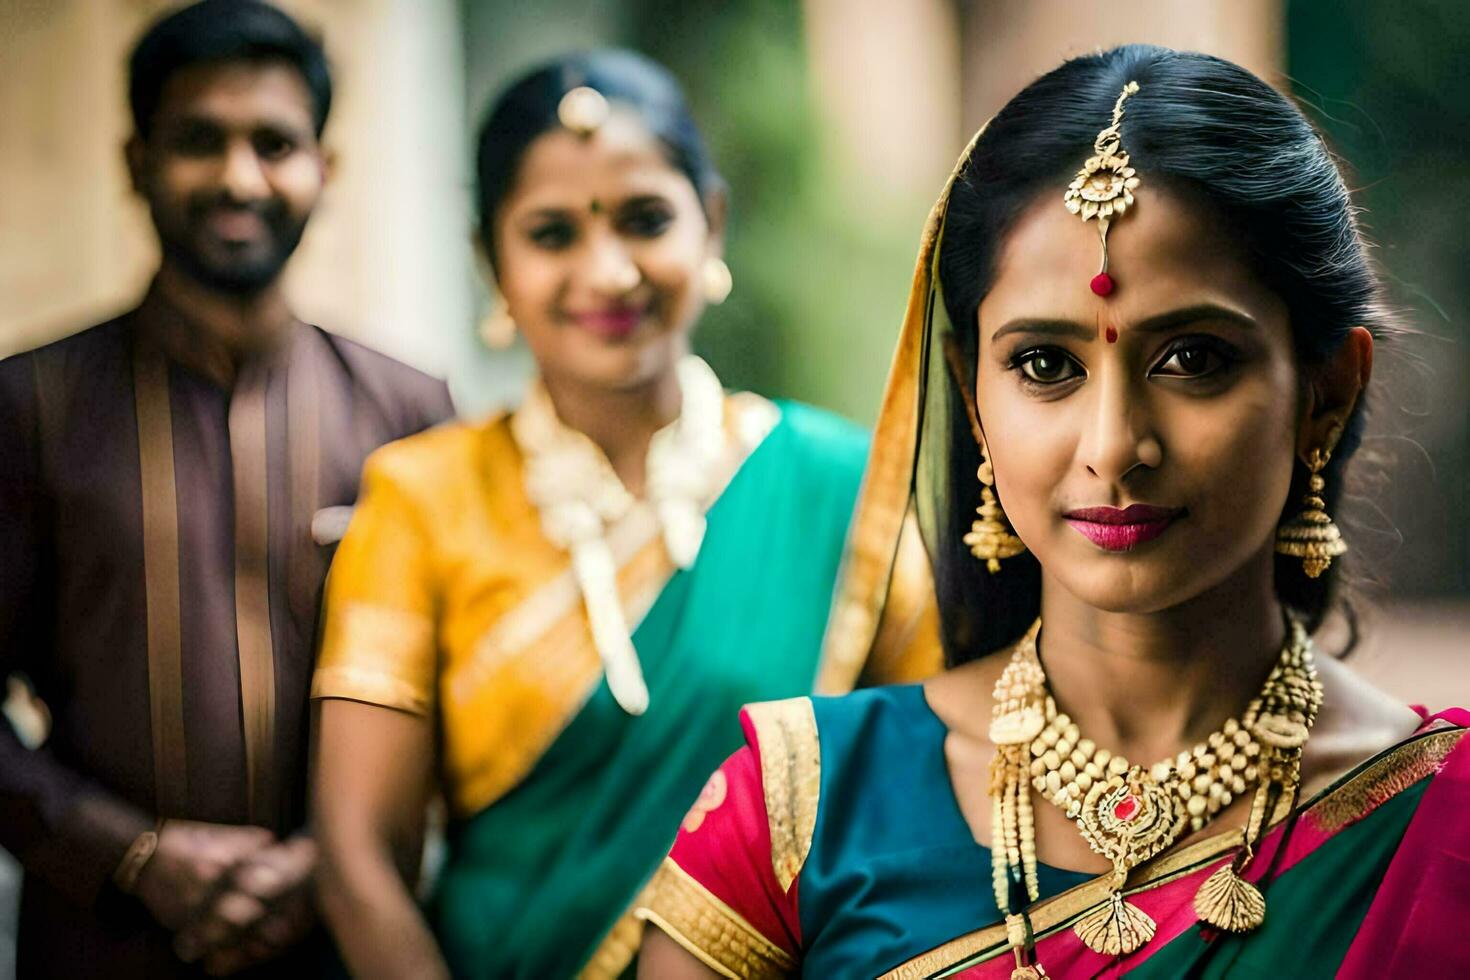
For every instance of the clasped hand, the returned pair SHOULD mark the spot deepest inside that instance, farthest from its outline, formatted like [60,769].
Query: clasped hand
[233,896]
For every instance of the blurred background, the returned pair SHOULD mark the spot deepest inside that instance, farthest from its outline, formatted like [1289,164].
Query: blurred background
[835,123]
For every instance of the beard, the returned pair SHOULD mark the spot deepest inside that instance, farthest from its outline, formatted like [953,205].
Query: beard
[233,267]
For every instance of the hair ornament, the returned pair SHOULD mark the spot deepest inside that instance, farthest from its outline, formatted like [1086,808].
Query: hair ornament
[583,110]
[1103,188]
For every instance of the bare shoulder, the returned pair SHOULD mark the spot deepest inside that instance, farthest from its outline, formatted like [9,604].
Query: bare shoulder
[961,698]
[1357,722]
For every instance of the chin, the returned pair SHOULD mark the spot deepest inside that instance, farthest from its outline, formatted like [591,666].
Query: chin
[1138,582]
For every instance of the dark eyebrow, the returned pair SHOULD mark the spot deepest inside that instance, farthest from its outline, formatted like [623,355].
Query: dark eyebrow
[1044,327]
[1161,323]
[1194,314]
[547,214]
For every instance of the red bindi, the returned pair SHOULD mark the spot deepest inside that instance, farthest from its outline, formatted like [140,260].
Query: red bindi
[1112,335]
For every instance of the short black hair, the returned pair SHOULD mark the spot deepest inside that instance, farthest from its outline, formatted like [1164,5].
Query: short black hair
[528,107]
[217,31]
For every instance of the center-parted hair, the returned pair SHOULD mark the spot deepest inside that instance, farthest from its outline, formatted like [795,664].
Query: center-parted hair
[528,107]
[1225,140]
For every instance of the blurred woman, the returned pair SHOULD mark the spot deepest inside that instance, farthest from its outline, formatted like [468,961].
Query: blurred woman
[1147,317]
[548,616]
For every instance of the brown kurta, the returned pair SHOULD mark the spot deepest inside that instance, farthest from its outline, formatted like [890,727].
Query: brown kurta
[159,584]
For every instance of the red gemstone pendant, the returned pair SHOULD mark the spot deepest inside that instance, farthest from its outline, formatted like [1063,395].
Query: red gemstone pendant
[1126,809]
[1102,284]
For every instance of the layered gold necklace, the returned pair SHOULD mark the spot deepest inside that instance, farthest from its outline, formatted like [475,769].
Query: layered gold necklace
[1129,813]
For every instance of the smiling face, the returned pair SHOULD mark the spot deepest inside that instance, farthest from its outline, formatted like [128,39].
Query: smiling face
[599,247]
[231,170]
[1142,443]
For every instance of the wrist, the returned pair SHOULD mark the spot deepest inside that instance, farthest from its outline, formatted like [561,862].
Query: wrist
[138,854]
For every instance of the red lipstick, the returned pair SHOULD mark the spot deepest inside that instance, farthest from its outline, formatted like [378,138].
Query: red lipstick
[1112,529]
[612,322]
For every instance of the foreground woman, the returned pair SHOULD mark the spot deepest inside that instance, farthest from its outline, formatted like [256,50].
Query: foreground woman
[551,615]
[1157,371]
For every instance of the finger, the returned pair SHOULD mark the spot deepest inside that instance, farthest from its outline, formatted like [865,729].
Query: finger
[230,914]
[236,957]
[223,962]
[261,879]
[277,930]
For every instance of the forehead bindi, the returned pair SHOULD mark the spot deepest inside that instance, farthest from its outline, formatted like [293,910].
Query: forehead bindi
[239,96]
[622,159]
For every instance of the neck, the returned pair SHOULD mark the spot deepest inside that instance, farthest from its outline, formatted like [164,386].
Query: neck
[1151,685]
[621,422]
[219,329]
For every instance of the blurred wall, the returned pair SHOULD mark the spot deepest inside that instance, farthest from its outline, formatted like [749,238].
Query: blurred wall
[1008,43]
[385,260]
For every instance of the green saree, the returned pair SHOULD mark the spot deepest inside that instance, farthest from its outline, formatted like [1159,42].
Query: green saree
[535,882]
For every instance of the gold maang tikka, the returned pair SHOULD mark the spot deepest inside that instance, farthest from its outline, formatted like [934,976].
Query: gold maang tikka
[1103,188]
[583,110]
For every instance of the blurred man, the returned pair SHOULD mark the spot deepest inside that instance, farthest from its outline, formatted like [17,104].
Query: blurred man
[170,485]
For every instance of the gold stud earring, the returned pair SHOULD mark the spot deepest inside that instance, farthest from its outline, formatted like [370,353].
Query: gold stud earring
[1311,535]
[717,280]
[991,538]
[497,327]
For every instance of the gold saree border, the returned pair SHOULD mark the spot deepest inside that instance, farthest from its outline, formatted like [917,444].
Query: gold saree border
[713,932]
[1356,801]
[387,645]
[791,777]
[1384,779]
[161,586]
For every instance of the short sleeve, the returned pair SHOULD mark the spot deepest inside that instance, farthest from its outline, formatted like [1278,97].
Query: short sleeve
[378,644]
[720,893]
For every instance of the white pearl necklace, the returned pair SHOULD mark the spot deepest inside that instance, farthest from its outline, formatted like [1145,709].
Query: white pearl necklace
[578,495]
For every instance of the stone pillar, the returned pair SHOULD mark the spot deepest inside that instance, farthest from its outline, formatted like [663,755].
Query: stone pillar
[1008,43]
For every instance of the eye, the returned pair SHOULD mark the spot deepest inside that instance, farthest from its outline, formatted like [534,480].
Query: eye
[1192,358]
[1046,365]
[553,235]
[197,140]
[270,145]
[647,220]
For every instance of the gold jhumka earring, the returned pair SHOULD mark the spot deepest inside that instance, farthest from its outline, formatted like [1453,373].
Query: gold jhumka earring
[497,328]
[717,280]
[1103,188]
[1311,535]
[991,539]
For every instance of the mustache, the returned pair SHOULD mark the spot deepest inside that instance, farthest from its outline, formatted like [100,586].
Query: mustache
[270,210]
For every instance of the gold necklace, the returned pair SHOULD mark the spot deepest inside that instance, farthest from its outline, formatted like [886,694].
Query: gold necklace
[1130,813]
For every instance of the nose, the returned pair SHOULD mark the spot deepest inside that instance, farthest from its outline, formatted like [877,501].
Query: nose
[243,177]
[611,270]
[1119,436]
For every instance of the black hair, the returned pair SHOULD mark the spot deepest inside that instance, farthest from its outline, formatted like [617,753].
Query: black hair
[217,31]
[1213,132]
[528,108]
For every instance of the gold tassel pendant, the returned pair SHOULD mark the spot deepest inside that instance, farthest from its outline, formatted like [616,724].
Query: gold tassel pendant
[1229,902]
[1115,929]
